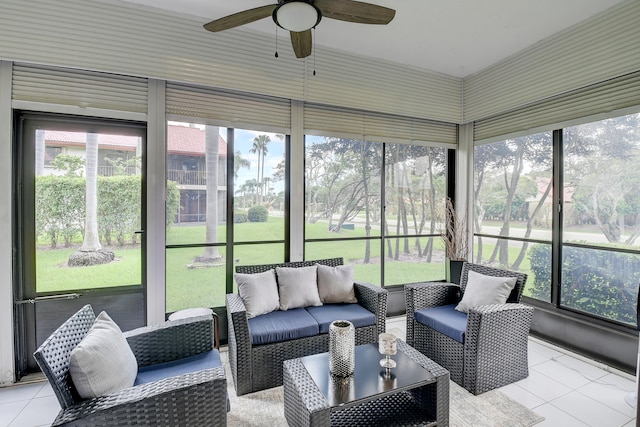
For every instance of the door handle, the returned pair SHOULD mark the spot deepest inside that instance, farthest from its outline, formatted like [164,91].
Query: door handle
[48,298]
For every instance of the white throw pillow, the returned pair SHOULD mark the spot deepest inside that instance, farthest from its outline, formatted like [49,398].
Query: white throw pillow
[335,284]
[103,362]
[259,292]
[298,287]
[483,290]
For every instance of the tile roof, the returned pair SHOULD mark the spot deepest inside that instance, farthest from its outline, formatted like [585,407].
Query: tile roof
[181,140]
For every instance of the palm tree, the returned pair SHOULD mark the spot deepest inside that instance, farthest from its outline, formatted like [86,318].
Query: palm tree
[239,162]
[212,155]
[91,252]
[260,143]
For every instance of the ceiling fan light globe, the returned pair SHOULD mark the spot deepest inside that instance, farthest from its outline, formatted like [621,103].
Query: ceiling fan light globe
[296,16]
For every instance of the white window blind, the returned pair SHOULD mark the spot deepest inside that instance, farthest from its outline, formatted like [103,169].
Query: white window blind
[615,94]
[319,119]
[230,108]
[79,88]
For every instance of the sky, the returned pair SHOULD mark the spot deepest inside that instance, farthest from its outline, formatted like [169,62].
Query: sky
[243,141]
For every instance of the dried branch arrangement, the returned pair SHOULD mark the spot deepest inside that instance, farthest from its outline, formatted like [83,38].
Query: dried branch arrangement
[454,233]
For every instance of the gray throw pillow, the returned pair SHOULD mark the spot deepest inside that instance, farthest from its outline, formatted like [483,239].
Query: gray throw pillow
[298,287]
[335,284]
[483,290]
[103,362]
[259,292]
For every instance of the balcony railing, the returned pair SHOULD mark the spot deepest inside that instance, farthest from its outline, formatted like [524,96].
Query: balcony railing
[187,177]
[113,170]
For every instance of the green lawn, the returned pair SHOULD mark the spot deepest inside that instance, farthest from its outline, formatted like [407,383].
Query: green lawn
[190,284]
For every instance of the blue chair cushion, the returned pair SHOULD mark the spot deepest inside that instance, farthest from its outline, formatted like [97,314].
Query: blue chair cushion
[444,319]
[278,326]
[199,362]
[354,313]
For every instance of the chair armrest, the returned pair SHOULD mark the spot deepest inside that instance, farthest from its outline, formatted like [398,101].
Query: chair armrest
[502,325]
[239,342]
[427,294]
[374,299]
[199,396]
[171,340]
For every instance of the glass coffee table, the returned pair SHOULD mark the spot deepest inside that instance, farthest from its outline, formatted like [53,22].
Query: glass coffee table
[415,392]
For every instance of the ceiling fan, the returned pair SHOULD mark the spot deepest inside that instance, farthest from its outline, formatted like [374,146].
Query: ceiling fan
[300,16]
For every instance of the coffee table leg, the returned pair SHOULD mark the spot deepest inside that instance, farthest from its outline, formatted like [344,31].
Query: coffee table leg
[304,404]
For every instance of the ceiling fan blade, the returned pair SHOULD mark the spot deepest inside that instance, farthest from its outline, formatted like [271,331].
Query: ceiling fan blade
[240,18]
[355,11]
[301,43]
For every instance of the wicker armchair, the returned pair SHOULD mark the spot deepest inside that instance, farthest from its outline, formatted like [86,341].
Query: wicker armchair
[258,367]
[197,398]
[493,351]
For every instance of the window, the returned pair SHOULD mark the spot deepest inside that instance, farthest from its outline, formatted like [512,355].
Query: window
[601,218]
[514,208]
[415,195]
[597,267]
[199,254]
[196,216]
[389,243]
[51,153]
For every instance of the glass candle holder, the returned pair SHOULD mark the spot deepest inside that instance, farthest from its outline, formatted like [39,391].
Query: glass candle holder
[388,345]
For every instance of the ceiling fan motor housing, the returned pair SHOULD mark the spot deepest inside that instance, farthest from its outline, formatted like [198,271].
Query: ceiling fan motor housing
[296,15]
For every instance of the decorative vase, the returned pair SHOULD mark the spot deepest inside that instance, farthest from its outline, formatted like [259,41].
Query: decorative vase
[454,270]
[342,351]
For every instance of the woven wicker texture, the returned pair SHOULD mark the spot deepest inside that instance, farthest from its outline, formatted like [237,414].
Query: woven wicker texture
[258,367]
[494,352]
[305,405]
[193,399]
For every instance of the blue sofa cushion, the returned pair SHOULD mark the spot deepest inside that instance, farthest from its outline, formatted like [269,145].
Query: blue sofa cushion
[199,362]
[354,313]
[279,326]
[444,319]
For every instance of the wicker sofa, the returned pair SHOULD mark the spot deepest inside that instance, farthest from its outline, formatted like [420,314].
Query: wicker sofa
[259,366]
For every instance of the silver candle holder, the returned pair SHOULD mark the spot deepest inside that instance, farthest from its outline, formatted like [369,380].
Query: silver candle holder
[388,345]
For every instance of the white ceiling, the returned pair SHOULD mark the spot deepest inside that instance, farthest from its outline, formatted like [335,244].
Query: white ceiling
[455,37]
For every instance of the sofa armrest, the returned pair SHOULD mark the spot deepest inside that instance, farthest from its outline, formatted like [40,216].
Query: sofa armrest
[374,299]
[239,341]
[171,340]
[199,396]
[427,294]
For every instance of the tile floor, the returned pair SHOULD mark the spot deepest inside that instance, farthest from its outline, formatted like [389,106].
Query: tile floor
[565,388]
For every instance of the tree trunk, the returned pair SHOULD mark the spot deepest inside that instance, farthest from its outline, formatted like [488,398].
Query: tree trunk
[525,245]
[91,252]
[91,237]
[211,159]
[40,152]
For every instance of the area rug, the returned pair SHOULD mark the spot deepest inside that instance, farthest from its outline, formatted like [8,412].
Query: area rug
[490,409]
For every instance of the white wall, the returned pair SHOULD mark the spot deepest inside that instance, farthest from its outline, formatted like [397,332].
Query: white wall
[6,254]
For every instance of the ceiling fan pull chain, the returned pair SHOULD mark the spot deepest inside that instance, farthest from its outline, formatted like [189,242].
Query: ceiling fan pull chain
[314,51]
[276,41]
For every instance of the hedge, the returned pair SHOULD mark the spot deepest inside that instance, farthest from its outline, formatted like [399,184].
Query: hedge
[60,208]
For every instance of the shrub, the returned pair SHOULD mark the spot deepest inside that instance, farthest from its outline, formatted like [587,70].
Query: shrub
[595,281]
[258,214]
[239,217]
